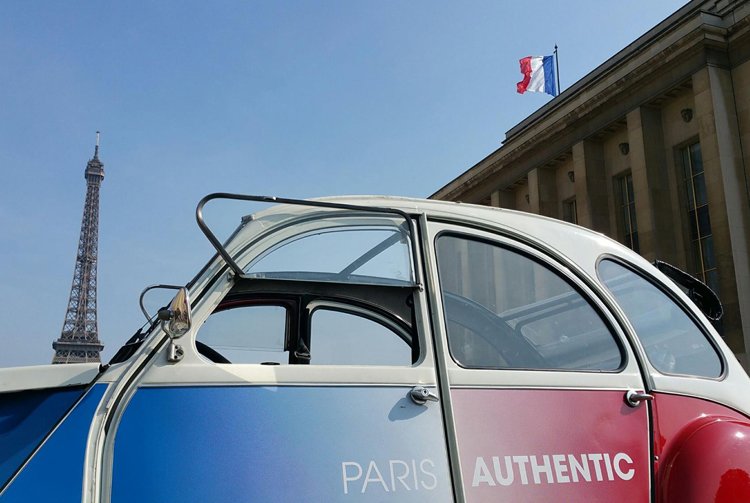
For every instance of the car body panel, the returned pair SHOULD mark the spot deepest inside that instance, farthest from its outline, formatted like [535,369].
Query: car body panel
[588,445]
[702,451]
[280,443]
[164,427]
[55,472]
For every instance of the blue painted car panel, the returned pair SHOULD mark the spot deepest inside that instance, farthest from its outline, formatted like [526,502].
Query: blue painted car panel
[55,473]
[248,443]
[26,417]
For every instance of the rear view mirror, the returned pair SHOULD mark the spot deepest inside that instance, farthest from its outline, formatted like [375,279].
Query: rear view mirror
[176,318]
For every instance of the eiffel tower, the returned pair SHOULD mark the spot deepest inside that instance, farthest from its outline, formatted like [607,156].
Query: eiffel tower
[79,341]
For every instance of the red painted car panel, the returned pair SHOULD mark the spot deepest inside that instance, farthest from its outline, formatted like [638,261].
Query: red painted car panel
[576,445]
[702,451]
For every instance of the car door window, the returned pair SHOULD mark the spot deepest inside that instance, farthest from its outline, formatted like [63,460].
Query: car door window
[246,334]
[338,335]
[505,309]
[344,338]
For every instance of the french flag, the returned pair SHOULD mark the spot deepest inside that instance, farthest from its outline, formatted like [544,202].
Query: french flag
[538,75]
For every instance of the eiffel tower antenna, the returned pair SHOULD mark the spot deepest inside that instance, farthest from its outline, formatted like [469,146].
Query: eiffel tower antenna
[79,341]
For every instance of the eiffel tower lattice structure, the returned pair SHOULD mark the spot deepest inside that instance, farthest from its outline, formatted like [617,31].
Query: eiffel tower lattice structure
[79,341]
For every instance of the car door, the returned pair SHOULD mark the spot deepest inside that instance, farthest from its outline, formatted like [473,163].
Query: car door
[539,375]
[295,384]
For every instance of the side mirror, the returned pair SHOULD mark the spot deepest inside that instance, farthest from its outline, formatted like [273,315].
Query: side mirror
[176,318]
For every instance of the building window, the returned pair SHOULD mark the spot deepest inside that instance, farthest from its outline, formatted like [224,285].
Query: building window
[703,264]
[570,212]
[626,201]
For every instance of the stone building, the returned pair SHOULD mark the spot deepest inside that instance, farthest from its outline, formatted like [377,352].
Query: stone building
[652,148]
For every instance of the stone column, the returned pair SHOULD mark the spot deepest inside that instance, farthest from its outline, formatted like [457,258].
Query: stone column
[727,197]
[543,192]
[591,191]
[503,199]
[657,231]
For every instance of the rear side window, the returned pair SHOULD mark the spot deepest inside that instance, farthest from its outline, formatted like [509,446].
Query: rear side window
[505,309]
[673,342]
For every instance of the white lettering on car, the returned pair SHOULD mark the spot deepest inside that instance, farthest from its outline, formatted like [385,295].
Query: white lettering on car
[345,473]
[597,458]
[621,456]
[373,467]
[521,461]
[581,468]
[560,468]
[402,475]
[552,469]
[507,479]
[482,474]
[427,473]
[537,469]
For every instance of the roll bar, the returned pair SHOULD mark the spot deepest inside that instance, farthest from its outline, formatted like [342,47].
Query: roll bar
[410,225]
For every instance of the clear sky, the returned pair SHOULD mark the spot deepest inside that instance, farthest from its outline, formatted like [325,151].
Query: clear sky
[290,98]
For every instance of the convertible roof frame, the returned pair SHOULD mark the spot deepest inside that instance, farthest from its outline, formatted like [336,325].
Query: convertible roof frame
[221,250]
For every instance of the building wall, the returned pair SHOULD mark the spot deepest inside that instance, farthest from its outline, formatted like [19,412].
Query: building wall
[677,132]
[566,186]
[741,84]
[616,165]
[519,198]
[686,82]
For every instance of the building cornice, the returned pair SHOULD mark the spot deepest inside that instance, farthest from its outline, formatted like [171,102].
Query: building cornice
[660,60]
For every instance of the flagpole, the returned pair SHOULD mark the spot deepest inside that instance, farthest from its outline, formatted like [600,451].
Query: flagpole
[557,71]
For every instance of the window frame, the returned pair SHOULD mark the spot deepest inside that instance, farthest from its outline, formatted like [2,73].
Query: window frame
[681,304]
[693,247]
[570,205]
[388,322]
[278,238]
[623,201]
[301,298]
[554,267]
[292,313]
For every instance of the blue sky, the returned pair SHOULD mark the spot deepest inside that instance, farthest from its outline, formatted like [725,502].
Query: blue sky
[294,98]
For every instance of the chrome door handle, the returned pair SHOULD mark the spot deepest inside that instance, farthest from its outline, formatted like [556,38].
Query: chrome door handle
[421,395]
[634,397]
